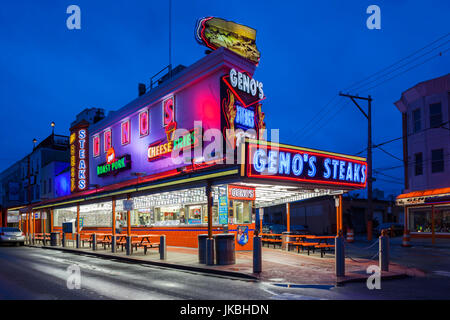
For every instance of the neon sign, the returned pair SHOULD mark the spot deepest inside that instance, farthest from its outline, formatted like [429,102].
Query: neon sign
[305,165]
[157,150]
[245,118]
[245,83]
[113,165]
[79,157]
[241,193]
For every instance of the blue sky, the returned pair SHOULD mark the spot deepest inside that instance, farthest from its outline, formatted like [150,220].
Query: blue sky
[310,50]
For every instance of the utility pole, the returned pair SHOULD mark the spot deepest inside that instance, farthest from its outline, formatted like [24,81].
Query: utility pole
[369,213]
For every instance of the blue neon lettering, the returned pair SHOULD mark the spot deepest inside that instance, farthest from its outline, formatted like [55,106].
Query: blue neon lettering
[363,173]
[272,162]
[326,164]
[312,166]
[297,164]
[335,165]
[341,170]
[356,172]
[285,163]
[349,176]
[259,160]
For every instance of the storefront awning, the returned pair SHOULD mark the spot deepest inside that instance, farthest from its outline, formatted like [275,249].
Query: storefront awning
[424,196]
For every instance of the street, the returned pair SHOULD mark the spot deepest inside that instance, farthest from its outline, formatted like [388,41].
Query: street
[34,273]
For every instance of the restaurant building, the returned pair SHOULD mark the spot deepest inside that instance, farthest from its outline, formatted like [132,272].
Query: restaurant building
[426,152]
[189,157]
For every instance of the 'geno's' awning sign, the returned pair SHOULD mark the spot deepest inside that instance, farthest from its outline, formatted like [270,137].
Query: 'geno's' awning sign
[117,165]
[304,165]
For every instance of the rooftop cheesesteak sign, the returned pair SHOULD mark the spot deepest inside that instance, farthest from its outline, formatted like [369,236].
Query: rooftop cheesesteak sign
[305,165]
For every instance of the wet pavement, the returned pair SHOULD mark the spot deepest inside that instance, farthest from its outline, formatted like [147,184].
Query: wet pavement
[36,273]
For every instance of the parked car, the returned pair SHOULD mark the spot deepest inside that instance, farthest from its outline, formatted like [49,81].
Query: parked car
[12,235]
[398,228]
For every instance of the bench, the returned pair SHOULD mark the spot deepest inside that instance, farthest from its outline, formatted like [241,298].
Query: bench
[324,247]
[306,245]
[145,245]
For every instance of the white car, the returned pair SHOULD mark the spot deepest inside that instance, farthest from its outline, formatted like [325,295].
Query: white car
[12,235]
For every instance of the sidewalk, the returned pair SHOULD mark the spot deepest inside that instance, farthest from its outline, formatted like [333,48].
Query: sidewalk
[278,266]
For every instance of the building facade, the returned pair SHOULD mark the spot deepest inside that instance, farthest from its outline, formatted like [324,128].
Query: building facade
[425,112]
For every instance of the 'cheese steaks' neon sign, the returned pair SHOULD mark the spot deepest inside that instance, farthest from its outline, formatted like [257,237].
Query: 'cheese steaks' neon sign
[305,166]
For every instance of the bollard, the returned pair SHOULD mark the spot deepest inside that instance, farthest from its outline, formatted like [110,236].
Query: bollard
[63,240]
[113,244]
[162,247]
[257,254]
[384,251]
[77,239]
[340,255]
[209,252]
[128,246]
[94,241]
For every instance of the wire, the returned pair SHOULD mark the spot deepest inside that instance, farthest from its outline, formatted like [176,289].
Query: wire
[401,66]
[405,58]
[390,154]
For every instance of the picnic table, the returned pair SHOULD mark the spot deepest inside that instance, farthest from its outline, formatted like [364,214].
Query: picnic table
[271,238]
[318,242]
[42,237]
[139,240]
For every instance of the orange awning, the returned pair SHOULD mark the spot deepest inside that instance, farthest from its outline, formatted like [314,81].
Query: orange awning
[425,193]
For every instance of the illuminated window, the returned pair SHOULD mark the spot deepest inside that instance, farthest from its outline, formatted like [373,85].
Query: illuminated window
[125,132]
[96,145]
[143,123]
[168,111]
[107,140]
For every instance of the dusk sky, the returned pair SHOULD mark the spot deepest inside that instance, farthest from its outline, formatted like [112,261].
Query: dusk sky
[310,50]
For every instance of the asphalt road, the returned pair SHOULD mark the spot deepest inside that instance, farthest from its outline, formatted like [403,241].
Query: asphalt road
[33,273]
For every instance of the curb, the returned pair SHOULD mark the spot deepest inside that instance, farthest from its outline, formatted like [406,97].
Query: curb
[231,274]
[389,277]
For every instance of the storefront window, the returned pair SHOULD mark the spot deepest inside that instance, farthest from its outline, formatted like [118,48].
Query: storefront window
[242,212]
[91,215]
[420,219]
[442,219]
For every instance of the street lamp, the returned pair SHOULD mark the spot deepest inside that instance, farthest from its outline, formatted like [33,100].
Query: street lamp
[34,143]
[53,127]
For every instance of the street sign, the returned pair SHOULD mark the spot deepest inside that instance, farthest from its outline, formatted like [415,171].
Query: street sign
[128,205]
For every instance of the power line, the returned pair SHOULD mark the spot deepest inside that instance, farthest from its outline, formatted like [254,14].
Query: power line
[390,154]
[405,58]
[401,66]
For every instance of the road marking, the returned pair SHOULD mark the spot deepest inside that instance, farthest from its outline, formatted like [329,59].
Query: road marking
[442,273]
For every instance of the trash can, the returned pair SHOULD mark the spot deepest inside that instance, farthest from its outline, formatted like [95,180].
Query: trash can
[54,239]
[225,248]
[286,236]
[202,248]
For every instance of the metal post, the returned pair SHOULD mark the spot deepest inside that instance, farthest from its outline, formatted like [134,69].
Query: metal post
[384,251]
[209,240]
[94,241]
[257,254]
[128,246]
[113,227]
[433,234]
[288,217]
[340,255]
[77,238]
[162,248]
[63,240]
